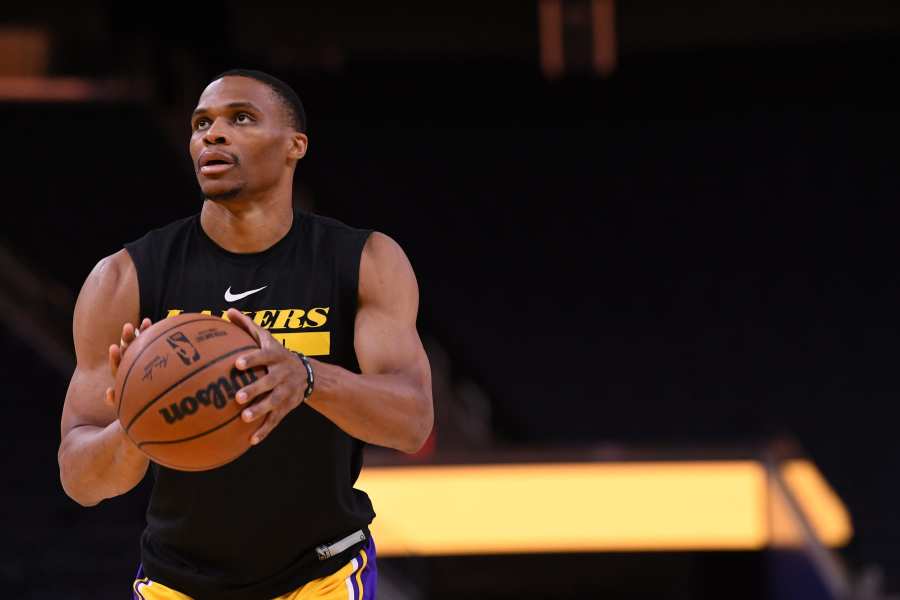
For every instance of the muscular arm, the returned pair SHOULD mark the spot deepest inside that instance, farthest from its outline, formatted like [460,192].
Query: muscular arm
[96,460]
[390,404]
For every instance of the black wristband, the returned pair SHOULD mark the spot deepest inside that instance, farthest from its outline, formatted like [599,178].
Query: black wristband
[310,377]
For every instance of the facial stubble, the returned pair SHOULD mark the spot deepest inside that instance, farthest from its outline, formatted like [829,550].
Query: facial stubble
[227,194]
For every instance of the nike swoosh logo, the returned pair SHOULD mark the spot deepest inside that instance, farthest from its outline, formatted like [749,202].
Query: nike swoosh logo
[229,297]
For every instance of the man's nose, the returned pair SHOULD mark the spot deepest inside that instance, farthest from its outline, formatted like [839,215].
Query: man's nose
[216,134]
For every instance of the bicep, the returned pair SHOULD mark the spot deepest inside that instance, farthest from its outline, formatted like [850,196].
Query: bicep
[386,339]
[108,299]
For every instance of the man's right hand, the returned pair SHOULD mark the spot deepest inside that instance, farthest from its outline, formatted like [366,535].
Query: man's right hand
[117,352]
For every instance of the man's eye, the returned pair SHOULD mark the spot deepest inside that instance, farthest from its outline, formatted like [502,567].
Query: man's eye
[201,124]
[243,118]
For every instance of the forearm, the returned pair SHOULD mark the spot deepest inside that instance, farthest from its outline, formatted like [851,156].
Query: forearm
[392,410]
[96,463]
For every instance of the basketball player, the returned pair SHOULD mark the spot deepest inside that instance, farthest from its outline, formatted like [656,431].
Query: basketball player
[283,520]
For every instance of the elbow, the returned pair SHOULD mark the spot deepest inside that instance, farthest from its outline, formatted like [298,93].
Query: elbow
[74,493]
[421,428]
[83,502]
[415,442]
[70,487]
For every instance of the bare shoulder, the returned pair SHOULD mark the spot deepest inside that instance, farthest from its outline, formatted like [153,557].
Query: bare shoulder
[112,269]
[111,278]
[108,299]
[385,273]
[383,250]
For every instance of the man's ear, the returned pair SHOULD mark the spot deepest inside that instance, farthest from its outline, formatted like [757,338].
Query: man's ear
[299,144]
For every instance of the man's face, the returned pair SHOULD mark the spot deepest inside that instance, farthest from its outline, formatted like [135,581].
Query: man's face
[241,140]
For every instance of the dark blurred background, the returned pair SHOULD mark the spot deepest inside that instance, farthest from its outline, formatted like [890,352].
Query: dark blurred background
[682,236]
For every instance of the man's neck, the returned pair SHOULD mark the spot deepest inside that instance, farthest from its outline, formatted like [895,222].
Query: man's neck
[242,225]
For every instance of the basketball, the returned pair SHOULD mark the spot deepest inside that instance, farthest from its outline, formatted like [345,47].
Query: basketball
[175,391]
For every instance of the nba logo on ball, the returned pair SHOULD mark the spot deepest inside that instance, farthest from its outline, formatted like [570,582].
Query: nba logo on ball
[183,347]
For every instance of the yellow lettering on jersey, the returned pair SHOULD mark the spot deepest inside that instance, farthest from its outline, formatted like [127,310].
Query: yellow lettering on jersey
[282,318]
[265,318]
[310,343]
[280,322]
[317,316]
[295,319]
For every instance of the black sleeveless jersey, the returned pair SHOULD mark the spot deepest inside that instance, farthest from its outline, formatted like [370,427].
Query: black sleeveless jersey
[249,529]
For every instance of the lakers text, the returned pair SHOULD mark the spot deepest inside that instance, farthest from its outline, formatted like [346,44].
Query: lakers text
[298,329]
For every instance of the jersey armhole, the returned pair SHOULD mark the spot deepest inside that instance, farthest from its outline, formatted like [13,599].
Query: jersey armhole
[142,268]
[355,263]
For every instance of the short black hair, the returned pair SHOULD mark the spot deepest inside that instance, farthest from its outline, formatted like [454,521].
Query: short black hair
[285,93]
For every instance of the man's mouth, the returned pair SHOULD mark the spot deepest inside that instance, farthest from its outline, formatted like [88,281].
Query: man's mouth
[215,163]
[215,167]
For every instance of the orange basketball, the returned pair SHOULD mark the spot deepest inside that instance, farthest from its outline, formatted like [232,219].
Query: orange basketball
[175,389]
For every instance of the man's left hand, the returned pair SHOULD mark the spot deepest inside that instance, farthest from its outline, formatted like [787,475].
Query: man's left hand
[279,391]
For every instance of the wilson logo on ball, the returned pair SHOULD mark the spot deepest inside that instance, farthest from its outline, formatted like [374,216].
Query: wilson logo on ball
[215,394]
